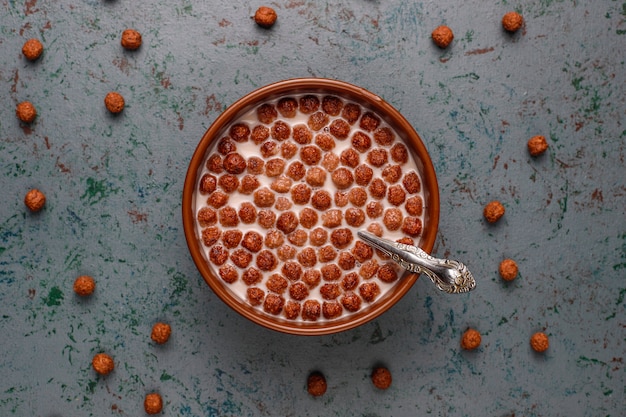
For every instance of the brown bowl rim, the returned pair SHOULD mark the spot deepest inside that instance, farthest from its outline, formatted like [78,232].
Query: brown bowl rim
[315,86]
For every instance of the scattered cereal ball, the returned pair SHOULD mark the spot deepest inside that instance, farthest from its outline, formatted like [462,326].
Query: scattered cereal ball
[114,102]
[493,211]
[316,384]
[471,339]
[35,200]
[103,364]
[537,145]
[84,285]
[512,21]
[539,342]
[32,49]
[265,17]
[153,403]
[381,377]
[26,112]
[131,39]
[508,269]
[161,333]
[442,36]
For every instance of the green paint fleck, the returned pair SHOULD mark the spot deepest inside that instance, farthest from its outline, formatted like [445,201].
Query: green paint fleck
[165,376]
[620,31]
[96,191]
[54,298]
[576,83]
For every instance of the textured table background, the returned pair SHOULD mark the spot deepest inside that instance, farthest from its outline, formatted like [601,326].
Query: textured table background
[114,189]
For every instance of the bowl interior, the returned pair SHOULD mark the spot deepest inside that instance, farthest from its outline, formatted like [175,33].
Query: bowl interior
[292,88]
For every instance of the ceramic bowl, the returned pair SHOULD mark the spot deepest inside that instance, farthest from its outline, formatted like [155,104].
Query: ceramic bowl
[297,88]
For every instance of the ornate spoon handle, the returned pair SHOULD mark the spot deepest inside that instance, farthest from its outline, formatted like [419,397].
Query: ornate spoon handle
[448,275]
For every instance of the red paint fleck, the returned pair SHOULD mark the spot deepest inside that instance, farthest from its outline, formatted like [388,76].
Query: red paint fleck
[443,60]
[26,129]
[29,7]
[31,293]
[597,196]
[479,51]
[48,25]
[122,64]
[62,167]
[16,78]
[165,82]
[495,161]
[181,122]
[224,23]
[212,105]
[137,217]
[45,138]
[23,28]
[293,4]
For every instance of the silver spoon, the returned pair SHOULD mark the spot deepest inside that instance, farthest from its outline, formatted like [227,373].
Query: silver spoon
[448,275]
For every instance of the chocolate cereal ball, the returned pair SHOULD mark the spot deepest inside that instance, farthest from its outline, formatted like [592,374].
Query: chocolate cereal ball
[273,304]
[114,102]
[332,105]
[280,131]
[369,122]
[316,384]
[539,342]
[377,157]
[342,178]
[537,145]
[210,236]
[399,153]
[264,197]
[292,271]
[255,296]
[26,112]
[387,273]
[351,301]
[161,333]
[381,378]
[292,309]
[396,195]
[392,173]
[307,257]
[247,213]
[392,219]
[234,163]
[231,238]
[355,217]
[309,104]
[287,107]
[311,310]
[377,188]
[277,283]
[298,291]
[265,17]
[287,222]
[411,226]
[363,175]
[131,39]
[312,277]
[228,273]
[84,285]
[32,49]
[251,276]
[208,184]
[259,134]
[331,309]
[302,134]
[296,171]
[321,200]
[217,199]
[411,183]
[341,238]
[103,363]
[324,141]
[240,132]
[266,219]
[310,154]
[414,206]
[218,255]
[228,183]
[266,113]
[508,269]
[351,112]
[318,236]
[361,141]
[512,21]
[253,241]
[35,200]
[369,291]
[350,158]
[442,36]
[153,403]
[471,339]
[214,164]
[228,217]
[266,261]
[493,211]
[340,129]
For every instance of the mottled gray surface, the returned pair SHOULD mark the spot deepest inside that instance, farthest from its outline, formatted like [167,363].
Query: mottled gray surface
[114,189]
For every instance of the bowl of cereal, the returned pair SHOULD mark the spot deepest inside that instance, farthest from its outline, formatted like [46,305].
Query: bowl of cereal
[278,188]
